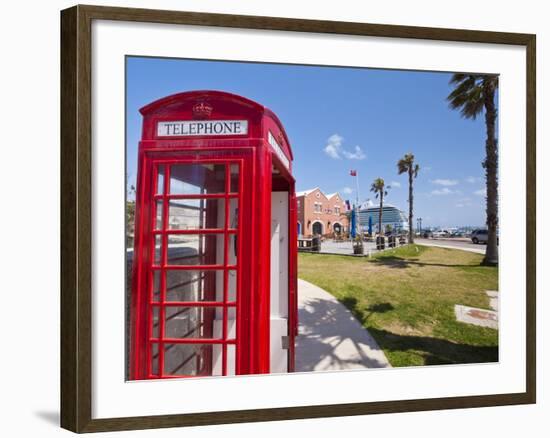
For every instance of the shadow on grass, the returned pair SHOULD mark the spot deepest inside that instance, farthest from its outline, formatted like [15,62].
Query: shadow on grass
[400,263]
[380,308]
[364,315]
[433,350]
[331,339]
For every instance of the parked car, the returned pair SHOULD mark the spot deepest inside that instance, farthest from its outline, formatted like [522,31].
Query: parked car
[479,236]
[426,234]
[441,234]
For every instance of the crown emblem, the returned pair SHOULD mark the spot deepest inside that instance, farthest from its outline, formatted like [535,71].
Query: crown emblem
[202,110]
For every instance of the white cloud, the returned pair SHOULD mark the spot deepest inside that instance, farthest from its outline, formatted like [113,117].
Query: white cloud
[395,184]
[480,192]
[357,155]
[334,144]
[335,150]
[443,191]
[463,202]
[472,179]
[347,190]
[444,182]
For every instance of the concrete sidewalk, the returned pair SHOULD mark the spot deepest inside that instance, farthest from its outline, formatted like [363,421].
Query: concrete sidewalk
[462,246]
[330,338]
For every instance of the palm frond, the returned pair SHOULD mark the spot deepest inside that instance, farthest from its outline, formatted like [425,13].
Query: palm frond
[463,88]
[405,163]
[493,79]
[474,104]
[377,186]
[468,95]
[457,78]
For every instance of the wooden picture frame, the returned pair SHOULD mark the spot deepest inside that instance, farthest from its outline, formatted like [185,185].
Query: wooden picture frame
[76,217]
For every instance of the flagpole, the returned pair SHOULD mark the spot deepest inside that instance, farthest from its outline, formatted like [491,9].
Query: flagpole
[355,212]
[357,187]
[357,225]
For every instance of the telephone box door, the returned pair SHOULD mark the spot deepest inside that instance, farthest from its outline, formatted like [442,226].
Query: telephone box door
[192,273]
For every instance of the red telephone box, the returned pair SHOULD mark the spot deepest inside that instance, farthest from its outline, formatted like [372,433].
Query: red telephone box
[214,268]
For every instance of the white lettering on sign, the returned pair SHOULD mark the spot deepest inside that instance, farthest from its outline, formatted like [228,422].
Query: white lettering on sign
[278,150]
[187,128]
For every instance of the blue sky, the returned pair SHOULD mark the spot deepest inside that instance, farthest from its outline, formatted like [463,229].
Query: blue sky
[339,119]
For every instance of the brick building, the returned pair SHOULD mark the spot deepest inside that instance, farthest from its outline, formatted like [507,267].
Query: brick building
[321,214]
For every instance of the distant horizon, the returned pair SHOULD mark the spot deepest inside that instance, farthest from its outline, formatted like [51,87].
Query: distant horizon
[374,204]
[340,119]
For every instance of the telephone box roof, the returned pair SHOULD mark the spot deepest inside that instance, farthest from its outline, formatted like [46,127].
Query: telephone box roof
[175,100]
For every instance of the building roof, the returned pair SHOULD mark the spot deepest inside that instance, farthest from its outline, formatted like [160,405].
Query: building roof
[307,192]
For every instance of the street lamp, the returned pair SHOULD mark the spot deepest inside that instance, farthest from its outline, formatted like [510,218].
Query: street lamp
[420,225]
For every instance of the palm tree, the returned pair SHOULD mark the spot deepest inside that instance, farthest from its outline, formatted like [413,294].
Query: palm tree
[378,187]
[406,164]
[472,94]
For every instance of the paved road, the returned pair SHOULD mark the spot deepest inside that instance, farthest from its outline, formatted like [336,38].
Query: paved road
[330,338]
[346,248]
[453,244]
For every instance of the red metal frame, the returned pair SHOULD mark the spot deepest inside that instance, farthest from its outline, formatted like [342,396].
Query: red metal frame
[254,157]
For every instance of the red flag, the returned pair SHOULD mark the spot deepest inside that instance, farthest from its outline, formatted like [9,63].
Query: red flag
[353,172]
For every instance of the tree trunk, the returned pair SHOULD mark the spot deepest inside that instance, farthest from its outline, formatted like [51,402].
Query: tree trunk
[380,214]
[411,238]
[491,169]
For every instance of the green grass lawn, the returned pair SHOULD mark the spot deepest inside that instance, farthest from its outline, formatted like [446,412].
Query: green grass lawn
[405,298]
